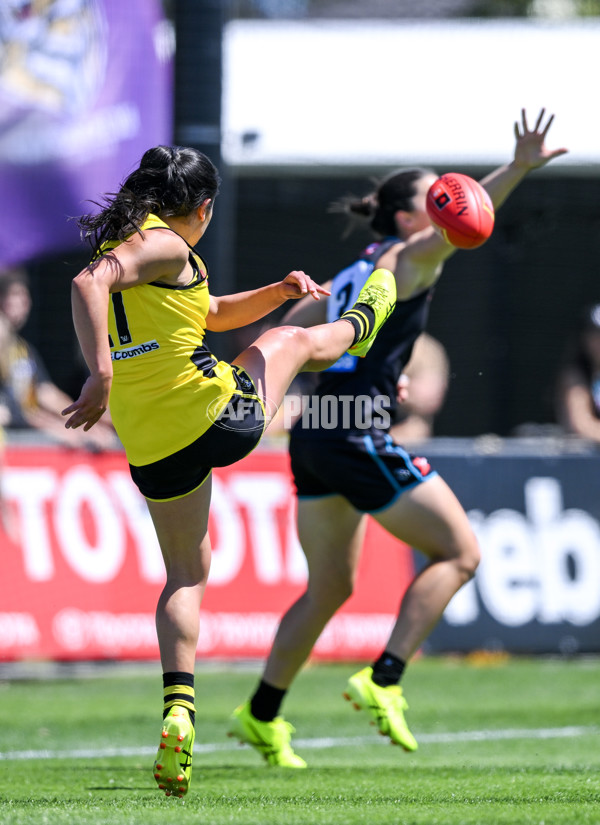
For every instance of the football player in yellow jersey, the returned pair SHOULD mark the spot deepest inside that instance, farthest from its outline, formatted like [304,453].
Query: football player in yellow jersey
[140,311]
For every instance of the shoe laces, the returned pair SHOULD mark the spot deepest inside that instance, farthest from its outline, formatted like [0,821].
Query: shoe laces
[375,295]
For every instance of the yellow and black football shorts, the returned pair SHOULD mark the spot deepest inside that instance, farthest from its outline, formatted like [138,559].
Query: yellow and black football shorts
[233,435]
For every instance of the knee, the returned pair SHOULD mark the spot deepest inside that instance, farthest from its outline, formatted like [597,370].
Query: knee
[290,343]
[468,557]
[185,581]
[343,591]
[188,572]
[331,596]
[297,339]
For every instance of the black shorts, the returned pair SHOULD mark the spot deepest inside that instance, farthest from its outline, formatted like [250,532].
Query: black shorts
[368,469]
[233,435]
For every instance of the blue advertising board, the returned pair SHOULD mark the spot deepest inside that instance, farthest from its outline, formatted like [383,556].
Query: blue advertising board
[535,508]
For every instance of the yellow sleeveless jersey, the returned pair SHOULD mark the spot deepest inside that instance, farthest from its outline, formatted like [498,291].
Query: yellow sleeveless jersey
[167,387]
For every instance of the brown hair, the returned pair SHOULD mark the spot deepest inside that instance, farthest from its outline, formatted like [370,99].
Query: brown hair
[378,207]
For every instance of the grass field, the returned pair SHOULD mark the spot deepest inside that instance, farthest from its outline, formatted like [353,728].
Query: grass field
[514,741]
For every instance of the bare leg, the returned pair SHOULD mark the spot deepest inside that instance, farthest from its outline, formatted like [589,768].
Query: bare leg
[277,356]
[181,526]
[429,517]
[331,532]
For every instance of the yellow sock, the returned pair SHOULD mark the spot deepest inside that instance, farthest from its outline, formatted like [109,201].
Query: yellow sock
[182,695]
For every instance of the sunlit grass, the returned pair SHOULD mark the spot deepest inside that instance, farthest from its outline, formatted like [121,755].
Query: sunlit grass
[512,741]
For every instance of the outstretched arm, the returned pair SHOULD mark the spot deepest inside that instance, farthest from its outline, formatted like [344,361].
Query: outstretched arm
[418,263]
[234,311]
[530,153]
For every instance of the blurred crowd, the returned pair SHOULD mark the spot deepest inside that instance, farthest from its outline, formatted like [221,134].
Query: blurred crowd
[578,386]
[29,399]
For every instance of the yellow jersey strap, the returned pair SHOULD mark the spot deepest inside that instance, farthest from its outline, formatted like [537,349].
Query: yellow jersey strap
[152,221]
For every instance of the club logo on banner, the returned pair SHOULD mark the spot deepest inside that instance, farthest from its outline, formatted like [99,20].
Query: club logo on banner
[85,89]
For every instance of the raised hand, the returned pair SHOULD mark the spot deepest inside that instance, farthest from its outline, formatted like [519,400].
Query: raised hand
[530,149]
[298,284]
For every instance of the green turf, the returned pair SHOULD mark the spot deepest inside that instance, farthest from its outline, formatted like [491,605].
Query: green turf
[482,758]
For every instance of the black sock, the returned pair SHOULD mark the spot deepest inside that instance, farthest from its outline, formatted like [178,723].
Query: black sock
[178,689]
[358,325]
[367,312]
[266,702]
[362,318]
[388,669]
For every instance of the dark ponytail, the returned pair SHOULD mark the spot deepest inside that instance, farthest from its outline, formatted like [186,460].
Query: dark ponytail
[378,208]
[172,181]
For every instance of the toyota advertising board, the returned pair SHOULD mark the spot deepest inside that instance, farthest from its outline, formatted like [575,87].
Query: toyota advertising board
[82,571]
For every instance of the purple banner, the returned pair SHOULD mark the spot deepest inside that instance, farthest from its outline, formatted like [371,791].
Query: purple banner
[85,89]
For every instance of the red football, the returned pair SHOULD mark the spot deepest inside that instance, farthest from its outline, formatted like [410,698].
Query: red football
[461,209]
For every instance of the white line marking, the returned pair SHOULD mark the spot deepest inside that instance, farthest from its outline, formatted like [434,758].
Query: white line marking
[320,744]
